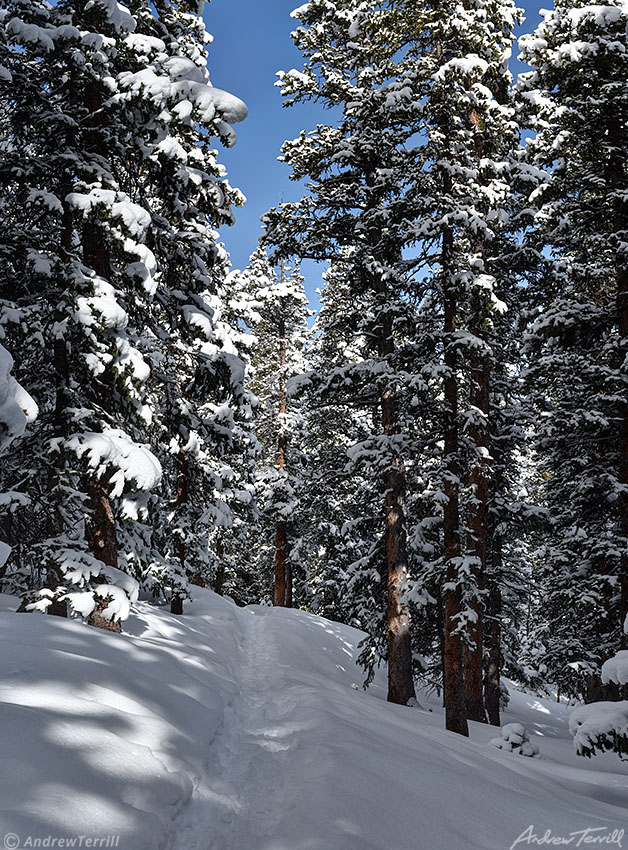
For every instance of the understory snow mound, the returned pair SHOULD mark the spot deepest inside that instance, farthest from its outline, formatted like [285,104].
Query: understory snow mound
[514,738]
[241,729]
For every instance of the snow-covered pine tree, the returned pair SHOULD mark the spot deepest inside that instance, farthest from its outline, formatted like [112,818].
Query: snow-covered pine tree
[343,541]
[200,409]
[56,181]
[411,189]
[117,107]
[277,317]
[601,726]
[360,174]
[576,100]
[458,55]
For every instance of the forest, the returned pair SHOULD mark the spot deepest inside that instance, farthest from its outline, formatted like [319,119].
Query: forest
[432,466]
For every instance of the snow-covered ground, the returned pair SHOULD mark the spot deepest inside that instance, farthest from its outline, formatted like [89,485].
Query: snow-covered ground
[242,729]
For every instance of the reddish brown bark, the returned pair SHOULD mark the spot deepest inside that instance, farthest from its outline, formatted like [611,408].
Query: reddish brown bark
[622,320]
[176,603]
[400,673]
[398,637]
[102,542]
[96,619]
[220,572]
[455,715]
[492,681]
[478,517]
[281,542]
[101,527]
[283,573]
[220,580]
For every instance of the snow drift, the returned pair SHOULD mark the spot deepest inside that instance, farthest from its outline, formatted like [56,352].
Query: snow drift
[243,728]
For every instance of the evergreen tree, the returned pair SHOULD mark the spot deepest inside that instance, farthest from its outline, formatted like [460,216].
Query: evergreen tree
[359,196]
[344,536]
[112,196]
[575,99]
[470,153]
[411,191]
[277,316]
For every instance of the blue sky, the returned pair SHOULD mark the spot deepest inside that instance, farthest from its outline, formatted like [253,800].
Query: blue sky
[251,43]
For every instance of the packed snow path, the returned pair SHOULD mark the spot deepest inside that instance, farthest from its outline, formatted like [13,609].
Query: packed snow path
[248,729]
[241,797]
[305,760]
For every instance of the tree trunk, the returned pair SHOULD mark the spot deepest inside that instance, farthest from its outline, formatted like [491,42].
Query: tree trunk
[400,673]
[440,627]
[473,651]
[280,565]
[622,319]
[492,680]
[102,525]
[478,509]
[455,716]
[220,572]
[616,180]
[595,691]
[58,608]
[283,578]
[101,538]
[176,603]
[61,368]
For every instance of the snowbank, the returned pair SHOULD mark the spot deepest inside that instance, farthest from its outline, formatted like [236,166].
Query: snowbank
[105,734]
[242,729]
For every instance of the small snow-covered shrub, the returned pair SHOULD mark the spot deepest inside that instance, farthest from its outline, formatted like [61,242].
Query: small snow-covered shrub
[600,726]
[514,738]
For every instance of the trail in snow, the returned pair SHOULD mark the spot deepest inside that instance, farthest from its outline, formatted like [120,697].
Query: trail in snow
[102,734]
[241,797]
[303,761]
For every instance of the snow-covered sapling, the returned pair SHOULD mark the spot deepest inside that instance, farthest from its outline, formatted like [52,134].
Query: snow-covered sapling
[515,738]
